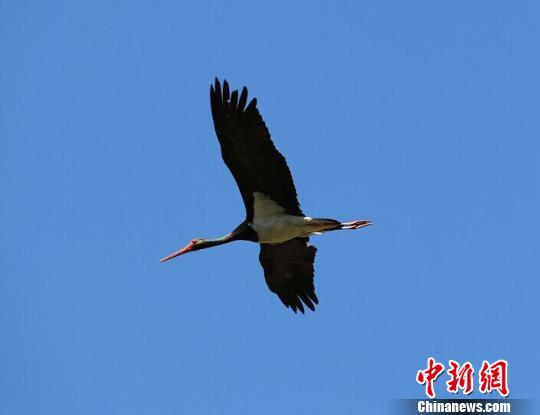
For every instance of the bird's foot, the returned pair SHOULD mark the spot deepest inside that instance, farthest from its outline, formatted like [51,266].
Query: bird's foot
[355,224]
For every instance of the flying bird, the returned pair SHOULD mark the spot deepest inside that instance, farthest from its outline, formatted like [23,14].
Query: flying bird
[273,215]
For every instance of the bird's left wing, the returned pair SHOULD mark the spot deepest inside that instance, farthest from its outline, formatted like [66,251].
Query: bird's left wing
[248,151]
[288,271]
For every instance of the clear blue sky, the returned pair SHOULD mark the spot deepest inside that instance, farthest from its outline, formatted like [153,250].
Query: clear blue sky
[422,116]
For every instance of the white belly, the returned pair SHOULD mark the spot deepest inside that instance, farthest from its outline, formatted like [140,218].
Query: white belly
[281,228]
[273,226]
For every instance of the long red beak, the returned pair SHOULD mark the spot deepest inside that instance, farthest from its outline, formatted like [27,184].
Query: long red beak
[188,248]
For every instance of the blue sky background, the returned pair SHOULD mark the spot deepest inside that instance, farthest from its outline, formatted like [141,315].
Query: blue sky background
[422,116]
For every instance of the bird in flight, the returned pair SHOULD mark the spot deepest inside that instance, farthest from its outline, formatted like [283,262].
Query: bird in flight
[273,215]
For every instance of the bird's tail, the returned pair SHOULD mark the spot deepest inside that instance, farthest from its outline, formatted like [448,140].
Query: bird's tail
[356,224]
[336,225]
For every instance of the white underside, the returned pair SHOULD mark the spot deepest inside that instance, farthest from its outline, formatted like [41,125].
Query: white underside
[281,228]
[274,226]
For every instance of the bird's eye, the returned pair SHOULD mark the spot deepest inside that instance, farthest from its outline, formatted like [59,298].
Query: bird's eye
[194,241]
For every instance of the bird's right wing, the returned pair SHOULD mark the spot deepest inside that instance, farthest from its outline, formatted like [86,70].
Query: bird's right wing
[288,271]
[248,151]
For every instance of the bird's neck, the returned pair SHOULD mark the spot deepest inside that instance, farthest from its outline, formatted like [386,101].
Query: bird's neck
[208,243]
[245,232]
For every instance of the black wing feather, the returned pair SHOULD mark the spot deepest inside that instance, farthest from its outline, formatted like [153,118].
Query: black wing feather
[288,271]
[243,100]
[248,151]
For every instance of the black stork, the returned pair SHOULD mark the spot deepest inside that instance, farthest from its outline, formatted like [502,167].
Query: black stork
[273,215]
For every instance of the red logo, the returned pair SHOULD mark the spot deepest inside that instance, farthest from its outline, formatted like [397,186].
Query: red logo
[490,377]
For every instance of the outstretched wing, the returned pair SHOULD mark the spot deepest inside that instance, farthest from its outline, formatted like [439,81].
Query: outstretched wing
[288,271]
[248,151]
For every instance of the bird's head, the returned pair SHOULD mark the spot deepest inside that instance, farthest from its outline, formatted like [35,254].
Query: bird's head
[194,245]
[199,243]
